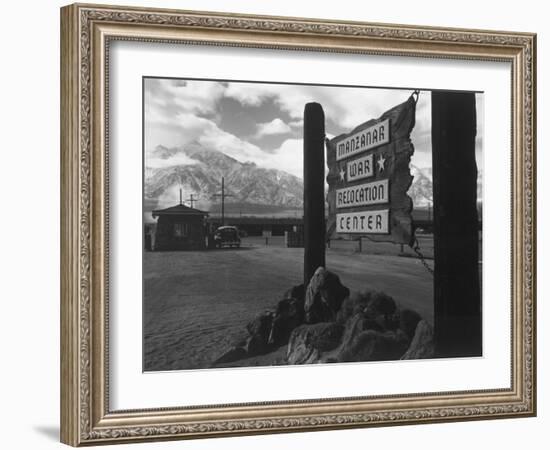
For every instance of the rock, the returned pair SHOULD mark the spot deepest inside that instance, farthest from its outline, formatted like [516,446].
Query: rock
[256,345]
[303,354]
[288,315]
[240,341]
[374,305]
[422,345]
[352,305]
[355,326]
[308,342]
[261,324]
[259,330]
[296,292]
[324,296]
[234,354]
[372,345]
[381,308]
[379,304]
[408,320]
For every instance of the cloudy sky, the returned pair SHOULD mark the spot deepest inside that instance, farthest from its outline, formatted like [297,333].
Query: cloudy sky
[262,123]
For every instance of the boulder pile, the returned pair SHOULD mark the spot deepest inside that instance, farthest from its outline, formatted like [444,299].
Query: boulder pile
[324,323]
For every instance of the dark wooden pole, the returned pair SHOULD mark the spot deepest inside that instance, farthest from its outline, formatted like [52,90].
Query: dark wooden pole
[222,195]
[223,201]
[457,296]
[314,189]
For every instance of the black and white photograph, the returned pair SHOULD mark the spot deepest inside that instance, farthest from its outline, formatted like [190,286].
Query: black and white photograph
[288,224]
[266,225]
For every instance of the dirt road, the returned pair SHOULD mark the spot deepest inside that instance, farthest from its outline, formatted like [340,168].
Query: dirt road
[197,304]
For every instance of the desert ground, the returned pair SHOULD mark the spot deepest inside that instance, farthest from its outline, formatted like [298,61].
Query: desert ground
[197,303]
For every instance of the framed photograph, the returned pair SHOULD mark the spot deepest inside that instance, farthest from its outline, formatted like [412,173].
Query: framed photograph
[276,224]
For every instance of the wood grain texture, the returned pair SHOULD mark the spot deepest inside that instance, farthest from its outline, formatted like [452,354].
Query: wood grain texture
[397,153]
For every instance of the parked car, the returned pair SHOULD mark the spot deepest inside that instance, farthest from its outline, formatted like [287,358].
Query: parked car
[228,236]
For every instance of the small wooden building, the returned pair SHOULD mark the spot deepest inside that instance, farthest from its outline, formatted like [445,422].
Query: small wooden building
[180,228]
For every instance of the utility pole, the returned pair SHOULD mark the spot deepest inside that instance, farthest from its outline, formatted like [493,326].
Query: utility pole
[181,200]
[223,195]
[191,200]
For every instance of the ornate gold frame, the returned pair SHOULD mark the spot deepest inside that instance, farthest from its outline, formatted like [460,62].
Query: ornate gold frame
[86,31]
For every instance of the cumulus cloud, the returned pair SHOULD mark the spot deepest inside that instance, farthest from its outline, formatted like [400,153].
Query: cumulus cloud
[178,159]
[288,157]
[183,128]
[296,123]
[184,95]
[175,116]
[346,107]
[218,139]
[275,127]
[251,94]
[181,111]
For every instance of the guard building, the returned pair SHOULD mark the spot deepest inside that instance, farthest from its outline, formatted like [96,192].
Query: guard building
[180,228]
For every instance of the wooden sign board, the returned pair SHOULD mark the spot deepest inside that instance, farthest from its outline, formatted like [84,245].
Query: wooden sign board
[369,177]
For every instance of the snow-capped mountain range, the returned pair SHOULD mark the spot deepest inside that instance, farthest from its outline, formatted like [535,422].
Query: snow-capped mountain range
[201,174]
[198,171]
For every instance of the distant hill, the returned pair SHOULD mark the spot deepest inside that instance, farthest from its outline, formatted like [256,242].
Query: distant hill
[253,190]
[421,190]
[250,187]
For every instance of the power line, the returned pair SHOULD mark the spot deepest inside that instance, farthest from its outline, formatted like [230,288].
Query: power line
[223,195]
[191,200]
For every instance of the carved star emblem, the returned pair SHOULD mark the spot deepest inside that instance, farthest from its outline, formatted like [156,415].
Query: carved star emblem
[381,163]
[342,174]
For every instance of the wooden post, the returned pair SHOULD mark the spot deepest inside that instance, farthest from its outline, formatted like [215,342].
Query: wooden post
[314,189]
[457,297]
[223,201]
